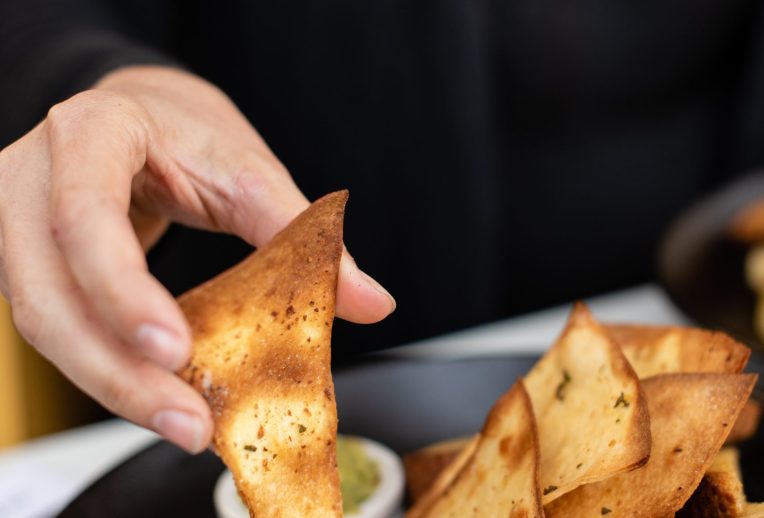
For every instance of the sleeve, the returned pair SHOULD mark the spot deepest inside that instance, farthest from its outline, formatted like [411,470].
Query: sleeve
[51,49]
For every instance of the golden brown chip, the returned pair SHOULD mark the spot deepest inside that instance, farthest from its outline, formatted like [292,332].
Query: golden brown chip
[500,477]
[753,511]
[591,412]
[445,478]
[262,360]
[655,350]
[748,225]
[720,493]
[691,415]
[423,466]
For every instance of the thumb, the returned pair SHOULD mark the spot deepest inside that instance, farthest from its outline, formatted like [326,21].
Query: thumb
[265,203]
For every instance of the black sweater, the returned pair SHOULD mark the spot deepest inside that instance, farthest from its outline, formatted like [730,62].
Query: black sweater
[501,155]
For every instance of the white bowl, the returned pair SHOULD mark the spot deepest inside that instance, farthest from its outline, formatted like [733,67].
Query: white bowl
[385,502]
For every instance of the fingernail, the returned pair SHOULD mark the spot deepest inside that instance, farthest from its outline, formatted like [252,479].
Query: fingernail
[182,428]
[161,346]
[378,287]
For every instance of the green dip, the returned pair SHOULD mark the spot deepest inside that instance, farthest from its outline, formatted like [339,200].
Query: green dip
[359,475]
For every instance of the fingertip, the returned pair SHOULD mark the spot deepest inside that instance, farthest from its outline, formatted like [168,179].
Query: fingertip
[167,348]
[360,298]
[188,430]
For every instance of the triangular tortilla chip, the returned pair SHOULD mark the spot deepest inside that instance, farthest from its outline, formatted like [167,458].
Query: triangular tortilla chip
[262,360]
[423,466]
[720,492]
[691,415]
[655,350]
[500,477]
[753,511]
[591,413]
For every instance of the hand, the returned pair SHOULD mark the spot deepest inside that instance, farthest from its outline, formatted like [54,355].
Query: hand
[87,191]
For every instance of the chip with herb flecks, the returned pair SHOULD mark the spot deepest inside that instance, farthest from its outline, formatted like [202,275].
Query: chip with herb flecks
[261,359]
[690,416]
[655,350]
[591,412]
[500,476]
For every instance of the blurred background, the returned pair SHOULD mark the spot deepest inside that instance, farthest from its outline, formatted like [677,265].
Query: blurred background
[502,157]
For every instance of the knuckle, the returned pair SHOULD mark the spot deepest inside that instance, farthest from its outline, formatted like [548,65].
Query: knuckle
[84,105]
[70,211]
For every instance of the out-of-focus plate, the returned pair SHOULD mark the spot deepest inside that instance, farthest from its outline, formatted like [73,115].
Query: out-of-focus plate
[405,404]
[701,267]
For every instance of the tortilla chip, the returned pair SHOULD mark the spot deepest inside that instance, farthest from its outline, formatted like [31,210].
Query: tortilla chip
[655,350]
[753,511]
[262,360]
[691,415]
[720,493]
[591,412]
[500,478]
[423,466]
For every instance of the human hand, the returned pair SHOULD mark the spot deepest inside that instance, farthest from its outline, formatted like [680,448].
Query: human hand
[87,191]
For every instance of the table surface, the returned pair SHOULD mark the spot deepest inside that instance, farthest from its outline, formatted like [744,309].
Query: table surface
[39,477]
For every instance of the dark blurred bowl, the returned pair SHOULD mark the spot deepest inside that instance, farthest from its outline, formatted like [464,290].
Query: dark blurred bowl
[702,267]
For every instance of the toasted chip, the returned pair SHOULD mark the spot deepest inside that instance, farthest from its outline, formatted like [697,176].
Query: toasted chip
[262,360]
[655,350]
[591,413]
[753,511]
[691,415]
[500,477]
[423,466]
[720,492]
[444,479]
[748,224]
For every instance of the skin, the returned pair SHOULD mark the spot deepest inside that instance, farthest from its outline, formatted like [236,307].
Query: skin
[95,185]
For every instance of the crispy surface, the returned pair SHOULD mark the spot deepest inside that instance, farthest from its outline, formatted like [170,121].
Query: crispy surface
[720,493]
[444,479]
[753,511]
[591,412]
[261,358]
[655,350]
[691,415]
[748,225]
[423,466]
[500,478]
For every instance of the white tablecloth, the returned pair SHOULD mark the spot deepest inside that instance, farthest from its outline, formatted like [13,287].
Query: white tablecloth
[38,478]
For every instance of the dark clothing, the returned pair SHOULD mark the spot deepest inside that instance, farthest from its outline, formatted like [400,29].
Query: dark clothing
[501,155]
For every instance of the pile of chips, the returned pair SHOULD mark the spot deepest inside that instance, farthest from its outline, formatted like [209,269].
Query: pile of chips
[615,420]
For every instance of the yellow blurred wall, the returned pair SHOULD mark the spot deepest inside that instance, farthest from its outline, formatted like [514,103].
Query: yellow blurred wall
[35,399]
[13,419]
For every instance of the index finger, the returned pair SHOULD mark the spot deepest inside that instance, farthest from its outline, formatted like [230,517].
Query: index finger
[98,142]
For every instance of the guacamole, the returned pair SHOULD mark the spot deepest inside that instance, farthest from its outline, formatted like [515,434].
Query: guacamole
[359,475]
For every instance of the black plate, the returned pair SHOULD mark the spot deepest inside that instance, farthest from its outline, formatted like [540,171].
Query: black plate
[405,404]
[701,267]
